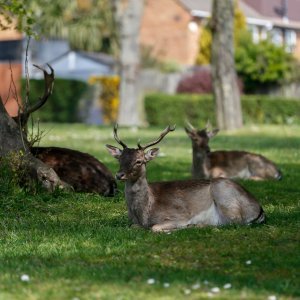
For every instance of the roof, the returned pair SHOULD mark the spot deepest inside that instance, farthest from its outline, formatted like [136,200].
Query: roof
[100,58]
[253,13]
[273,8]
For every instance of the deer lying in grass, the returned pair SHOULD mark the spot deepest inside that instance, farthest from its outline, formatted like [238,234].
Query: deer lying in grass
[166,206]
[227,164]
[80,170]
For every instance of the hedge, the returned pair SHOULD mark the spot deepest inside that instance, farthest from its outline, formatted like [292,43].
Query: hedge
[62,106]
[164,109]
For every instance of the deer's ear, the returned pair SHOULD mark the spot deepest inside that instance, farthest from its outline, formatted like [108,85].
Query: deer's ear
[151,154]
[212,133]
[114,151]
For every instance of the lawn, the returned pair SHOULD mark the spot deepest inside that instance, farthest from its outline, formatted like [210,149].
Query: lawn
[80,246]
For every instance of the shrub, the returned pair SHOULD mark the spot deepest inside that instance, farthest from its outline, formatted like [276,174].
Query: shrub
[197,83]
[263,63]
[62,106]
[164,109]
[109,97]
[200,82]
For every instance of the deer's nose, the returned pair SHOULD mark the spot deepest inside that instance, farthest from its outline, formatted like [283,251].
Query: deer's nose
[120,176]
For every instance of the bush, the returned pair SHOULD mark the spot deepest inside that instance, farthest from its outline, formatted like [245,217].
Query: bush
[262,64]
[164,109]
[109,97]
[62,105]
[200,82]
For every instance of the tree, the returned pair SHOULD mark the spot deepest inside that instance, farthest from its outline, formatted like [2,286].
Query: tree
[128,14]
[86,24]
[13,142]
[13,139]
[205,41]
[225,88]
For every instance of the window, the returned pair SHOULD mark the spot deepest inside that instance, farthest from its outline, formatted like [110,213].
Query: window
[290,40]
[276,35]
[255,33]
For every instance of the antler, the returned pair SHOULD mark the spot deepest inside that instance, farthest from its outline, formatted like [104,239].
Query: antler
[208,125]
[49,82]
[117,138]
[190,126]
[23,117]
[162,135]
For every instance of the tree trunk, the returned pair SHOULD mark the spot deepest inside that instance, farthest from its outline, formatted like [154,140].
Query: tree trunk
[13,141]
[225,87]
[128,14]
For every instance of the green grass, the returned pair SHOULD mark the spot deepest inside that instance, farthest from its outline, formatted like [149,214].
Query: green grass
[81,246]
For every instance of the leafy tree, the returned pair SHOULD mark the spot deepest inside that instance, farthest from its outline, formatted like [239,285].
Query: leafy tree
[16,10]
[262,64]
[14,145]
[86,24]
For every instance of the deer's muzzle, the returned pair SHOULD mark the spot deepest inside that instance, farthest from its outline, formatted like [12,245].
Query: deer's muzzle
[121,176]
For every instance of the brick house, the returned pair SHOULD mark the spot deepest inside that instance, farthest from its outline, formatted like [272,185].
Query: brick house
[171,28]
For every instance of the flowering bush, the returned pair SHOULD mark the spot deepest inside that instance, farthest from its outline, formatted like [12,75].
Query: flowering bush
[109,98]
[199,82]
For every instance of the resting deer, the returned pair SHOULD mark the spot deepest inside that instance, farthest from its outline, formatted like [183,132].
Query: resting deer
[166,206]
[227,164]
[80,170]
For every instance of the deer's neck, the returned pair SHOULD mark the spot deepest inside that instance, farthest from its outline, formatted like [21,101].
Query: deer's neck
[199,157]
[139,200]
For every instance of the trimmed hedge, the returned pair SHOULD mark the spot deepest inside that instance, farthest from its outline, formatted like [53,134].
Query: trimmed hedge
[62,105]
[164,109]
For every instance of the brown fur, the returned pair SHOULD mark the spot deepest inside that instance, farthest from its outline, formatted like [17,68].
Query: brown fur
[227,164]
[165,206]
[81,170]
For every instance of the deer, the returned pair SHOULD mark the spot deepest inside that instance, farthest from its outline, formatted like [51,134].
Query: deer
[170,205]
[227,164]
[82,171]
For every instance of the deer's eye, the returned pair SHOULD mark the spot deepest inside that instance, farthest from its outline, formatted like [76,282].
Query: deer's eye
[138,162]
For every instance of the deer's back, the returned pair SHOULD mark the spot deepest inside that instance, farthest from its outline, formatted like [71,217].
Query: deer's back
[239,164]
[81,170]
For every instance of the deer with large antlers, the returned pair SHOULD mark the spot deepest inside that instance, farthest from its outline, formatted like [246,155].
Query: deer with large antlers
[82,171]
[227,164]
[166,206]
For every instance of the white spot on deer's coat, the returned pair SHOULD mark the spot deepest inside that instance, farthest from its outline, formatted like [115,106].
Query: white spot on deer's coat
[206,217]
[244,173]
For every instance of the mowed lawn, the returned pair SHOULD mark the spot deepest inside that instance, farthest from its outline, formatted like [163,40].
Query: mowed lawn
[80,246]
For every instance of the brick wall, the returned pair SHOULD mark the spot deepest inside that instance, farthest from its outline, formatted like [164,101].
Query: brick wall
[10,89]
[165,29]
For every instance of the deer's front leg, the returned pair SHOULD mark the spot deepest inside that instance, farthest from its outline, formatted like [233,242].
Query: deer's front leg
[169,226]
